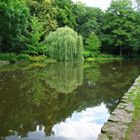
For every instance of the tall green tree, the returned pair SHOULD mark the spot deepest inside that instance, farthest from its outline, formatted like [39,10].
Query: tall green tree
[13,23]
[34,43]
[93,45]
[120,28]
[88,19]
[46,12]
[65,15]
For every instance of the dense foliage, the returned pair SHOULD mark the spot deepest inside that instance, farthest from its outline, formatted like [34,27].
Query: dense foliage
[65,45]
[25,24]
[93,44]
[13,22]
[121,28]
[34,45]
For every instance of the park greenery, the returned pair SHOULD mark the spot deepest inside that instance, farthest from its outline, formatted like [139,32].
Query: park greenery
[65,30]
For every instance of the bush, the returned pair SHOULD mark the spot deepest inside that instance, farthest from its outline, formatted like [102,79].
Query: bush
[37,58]
[89,59]
[8,57]
[87,54]
[23,57]
[11,57]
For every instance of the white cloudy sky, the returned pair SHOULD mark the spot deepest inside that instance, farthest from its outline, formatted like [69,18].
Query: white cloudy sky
[103,4]
[84,125]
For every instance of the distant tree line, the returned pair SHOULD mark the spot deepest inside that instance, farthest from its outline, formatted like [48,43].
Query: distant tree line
[26,26]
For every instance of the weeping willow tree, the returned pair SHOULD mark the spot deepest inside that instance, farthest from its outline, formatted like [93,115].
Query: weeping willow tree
[65,77]
[65,44]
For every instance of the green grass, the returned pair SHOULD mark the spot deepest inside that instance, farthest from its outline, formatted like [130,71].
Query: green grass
[136,115]
[41,58]
[101,57]
[108,56]
[13,58]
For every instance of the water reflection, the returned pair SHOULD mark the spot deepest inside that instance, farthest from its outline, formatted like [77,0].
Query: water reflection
[86,124]
[82,125]
[65,77]
[59,102]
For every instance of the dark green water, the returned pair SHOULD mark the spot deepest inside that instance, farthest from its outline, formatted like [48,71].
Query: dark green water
[61,101]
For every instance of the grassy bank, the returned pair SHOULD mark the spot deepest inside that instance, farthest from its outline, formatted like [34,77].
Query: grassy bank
[103,57]
[22,58]
[136,116]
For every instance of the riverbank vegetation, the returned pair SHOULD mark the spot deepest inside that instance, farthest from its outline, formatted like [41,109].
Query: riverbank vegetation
[133,125]
[47,28]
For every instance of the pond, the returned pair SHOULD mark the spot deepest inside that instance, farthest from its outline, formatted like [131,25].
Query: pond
[61,101]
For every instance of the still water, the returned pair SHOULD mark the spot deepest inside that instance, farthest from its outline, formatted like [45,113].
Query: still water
[62,101]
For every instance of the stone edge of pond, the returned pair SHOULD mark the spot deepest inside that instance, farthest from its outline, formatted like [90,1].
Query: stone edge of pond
[117,125]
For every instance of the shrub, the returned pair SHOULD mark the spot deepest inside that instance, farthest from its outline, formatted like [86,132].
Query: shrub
[8,57]
[23,57]
[37,58]
[87,54]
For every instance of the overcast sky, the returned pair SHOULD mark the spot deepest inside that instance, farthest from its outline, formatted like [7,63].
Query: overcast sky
[103,4]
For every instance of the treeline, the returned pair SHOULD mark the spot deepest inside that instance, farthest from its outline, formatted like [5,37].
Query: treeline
[26,26]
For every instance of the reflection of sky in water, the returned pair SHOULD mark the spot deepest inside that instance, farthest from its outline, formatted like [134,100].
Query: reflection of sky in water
[84,125]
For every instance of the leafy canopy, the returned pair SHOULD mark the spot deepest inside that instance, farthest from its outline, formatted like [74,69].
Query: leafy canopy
[13,23]
[93,45]
[120,27]
[34,44]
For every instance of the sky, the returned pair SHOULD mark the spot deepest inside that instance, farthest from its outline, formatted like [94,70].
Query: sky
[84,125]
[103,4]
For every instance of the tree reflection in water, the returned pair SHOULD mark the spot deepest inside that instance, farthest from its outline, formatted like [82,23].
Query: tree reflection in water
[34,101]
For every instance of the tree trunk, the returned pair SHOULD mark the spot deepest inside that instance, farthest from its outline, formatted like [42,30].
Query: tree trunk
[120,51]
